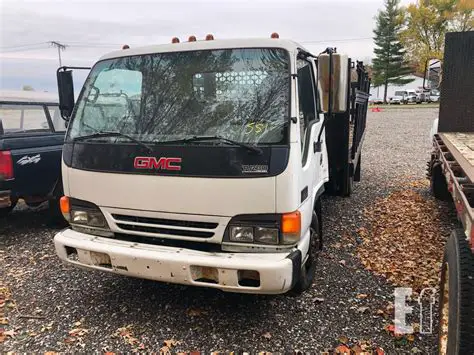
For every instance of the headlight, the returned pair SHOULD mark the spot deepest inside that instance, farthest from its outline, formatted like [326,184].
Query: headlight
[88,218]
[84,216]
[266,235]
[241,234]
[269,229]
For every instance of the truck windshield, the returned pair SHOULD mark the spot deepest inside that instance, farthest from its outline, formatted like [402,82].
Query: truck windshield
[237,94]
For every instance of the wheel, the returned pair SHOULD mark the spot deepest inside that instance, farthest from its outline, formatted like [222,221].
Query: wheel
[438,185]
[457,297]
[308,269]
[5,211]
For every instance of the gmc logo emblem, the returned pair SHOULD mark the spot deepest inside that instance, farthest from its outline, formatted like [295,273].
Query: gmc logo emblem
[154,163]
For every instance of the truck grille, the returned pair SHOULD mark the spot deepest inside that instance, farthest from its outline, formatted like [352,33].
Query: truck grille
[164,226]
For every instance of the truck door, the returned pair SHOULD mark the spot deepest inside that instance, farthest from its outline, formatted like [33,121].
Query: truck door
[310,125]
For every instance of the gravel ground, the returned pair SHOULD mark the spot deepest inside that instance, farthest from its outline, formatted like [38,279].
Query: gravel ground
[97,305]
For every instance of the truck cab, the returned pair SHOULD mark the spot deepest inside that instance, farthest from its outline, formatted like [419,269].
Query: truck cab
[203,162]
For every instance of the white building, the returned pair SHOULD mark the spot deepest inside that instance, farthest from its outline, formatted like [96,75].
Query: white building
[414,85]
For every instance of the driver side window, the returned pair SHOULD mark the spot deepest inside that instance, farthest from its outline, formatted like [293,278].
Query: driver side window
[306,98]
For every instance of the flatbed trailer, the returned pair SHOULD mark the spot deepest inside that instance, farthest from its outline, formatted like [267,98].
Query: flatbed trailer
[451,173]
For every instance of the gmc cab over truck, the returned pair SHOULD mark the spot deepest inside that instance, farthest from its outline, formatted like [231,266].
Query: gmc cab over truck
[451,173]
[204,162]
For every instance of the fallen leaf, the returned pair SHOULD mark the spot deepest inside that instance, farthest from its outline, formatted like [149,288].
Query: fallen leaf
[267,335]
[343,339]
[195,312]
[164,350]
[3,321]
[362,296]
[342,349]
[69,340]
[170,343]
[411,337]
[78,332]
[11,333]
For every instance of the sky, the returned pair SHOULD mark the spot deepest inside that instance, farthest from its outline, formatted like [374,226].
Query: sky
[91,28]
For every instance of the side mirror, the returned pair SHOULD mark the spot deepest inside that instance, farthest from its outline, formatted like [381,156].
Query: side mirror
[432,77]
[333,81]
[66,92]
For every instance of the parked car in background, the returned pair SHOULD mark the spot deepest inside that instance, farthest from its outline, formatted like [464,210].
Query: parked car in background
[31,141]
[434,96]
[410,97]
[376,101]
[397,99]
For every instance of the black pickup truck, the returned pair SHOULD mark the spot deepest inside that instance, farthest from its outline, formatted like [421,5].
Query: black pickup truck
[31,141]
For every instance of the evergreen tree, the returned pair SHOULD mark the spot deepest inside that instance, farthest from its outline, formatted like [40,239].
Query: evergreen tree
[389,65]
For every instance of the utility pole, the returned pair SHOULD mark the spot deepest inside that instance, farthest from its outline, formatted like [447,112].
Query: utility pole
[60,48]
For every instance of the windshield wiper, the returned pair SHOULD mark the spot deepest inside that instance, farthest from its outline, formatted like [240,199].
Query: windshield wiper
[112,134]
[219,138]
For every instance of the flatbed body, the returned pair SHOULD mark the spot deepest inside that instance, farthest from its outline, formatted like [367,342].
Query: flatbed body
[455,151]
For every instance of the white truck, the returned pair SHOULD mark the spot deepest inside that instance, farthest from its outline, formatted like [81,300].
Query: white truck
[204,162]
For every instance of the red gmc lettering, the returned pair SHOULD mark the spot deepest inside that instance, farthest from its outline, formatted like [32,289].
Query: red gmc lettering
[154,163]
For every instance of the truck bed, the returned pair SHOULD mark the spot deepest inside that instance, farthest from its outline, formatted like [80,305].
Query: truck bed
[455,151]
[461,146]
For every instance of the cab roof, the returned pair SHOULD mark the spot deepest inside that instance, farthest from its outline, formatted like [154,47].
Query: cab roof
[289,45]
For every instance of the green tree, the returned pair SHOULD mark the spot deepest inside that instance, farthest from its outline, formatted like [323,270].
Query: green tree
[389,64]
[426,23]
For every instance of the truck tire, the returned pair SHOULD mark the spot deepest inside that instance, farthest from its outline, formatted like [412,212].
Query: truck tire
[308,269]
[456,306]
[438,185]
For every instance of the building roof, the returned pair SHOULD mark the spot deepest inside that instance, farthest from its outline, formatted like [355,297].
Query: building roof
[289,45]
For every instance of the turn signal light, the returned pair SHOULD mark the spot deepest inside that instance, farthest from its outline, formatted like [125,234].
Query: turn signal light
[6,165]
[64,204]
[291,227]
[291,223]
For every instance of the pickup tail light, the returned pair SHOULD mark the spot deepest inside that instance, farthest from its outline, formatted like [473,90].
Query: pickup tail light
[6,165]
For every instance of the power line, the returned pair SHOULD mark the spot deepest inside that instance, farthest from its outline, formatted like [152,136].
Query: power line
[60,47]
[22,45]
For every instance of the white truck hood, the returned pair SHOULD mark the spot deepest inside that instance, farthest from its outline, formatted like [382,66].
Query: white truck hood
[205,196]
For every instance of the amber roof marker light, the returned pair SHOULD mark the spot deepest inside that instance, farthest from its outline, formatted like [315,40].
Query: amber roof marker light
[192,39]
[175,40]
[209,37]
[125,46]
[275,35]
